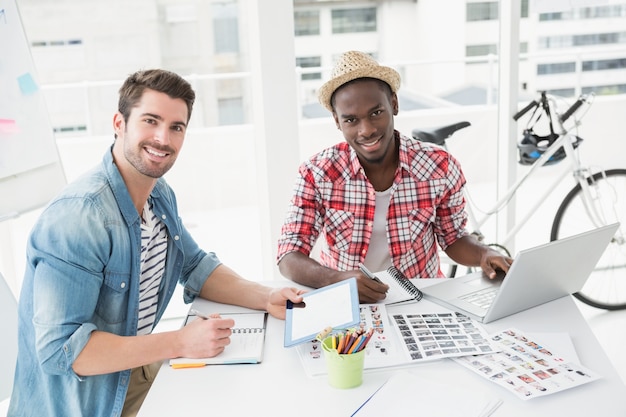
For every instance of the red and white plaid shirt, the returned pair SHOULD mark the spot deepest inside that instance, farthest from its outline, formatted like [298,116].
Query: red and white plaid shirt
[334,198]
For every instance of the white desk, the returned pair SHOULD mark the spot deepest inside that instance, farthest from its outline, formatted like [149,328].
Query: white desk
[279,386]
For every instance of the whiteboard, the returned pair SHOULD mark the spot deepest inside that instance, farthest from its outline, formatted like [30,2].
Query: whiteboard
[31,172]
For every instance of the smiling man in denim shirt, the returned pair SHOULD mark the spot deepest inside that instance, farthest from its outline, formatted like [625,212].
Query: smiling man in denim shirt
[103,261]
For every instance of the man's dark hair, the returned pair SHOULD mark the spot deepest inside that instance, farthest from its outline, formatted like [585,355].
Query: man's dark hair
[158,80]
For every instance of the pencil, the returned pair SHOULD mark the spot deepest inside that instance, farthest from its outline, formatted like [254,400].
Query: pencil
[366,340]
[355,344]
[348,343]
[340,343]
[188,365]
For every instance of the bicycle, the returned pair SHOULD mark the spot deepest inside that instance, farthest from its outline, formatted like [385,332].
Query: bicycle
[597,199]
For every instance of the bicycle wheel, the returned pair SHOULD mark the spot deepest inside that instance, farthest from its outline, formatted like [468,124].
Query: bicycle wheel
[606,286]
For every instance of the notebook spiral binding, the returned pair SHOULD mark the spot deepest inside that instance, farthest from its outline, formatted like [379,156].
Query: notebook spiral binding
[405,283]
[247,330]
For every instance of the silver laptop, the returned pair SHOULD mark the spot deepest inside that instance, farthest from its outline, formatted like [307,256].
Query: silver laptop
[538,275]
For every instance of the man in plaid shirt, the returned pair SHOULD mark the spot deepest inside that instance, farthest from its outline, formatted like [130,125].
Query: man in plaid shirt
[379,199]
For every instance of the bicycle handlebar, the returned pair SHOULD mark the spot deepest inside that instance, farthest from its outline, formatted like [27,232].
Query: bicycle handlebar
[522,112]
[585,98]
[573,108]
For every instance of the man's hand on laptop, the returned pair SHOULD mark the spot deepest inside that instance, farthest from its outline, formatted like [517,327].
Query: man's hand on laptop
[493,260]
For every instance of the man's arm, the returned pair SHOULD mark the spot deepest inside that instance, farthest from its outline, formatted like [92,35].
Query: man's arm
[307,271]
[470,252]
[226,286]
[107,352]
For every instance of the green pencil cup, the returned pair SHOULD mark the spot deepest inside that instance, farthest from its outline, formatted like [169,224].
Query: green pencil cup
[344,371]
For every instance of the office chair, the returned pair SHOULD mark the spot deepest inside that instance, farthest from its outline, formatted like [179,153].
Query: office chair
[8,347]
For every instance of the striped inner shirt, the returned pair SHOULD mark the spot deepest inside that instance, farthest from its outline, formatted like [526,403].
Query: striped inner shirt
[153,254]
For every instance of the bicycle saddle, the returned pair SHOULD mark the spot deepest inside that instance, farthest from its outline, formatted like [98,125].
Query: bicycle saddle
[438,135]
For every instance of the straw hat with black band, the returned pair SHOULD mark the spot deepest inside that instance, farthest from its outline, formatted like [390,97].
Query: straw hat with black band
[353,65]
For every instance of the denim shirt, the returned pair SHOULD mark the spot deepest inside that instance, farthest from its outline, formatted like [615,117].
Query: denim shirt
[82,274]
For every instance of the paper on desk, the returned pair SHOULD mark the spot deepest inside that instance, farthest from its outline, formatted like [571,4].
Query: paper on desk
[560,342]
[527,366]
[408,394]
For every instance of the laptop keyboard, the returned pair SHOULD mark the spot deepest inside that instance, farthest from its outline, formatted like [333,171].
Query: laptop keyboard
[481,298]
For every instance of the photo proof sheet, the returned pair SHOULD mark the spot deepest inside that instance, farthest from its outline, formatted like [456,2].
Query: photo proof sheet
[526,367]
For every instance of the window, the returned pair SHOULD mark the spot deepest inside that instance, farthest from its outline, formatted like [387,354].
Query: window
[70,129]
[595,39]
[605,64]
[586,13]
[57,42]
[524,9]
[602,12]
[558,68]
[306,22]
[225,27]
[489,11]
[46,55]
[482,11]
[605,89]
[354,20]
[562,92]
[523,47]
[552,42]
[481,50]
[546,17]
[230,111]
[310,62]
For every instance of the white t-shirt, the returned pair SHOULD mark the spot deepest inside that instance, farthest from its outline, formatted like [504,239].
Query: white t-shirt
[378,257]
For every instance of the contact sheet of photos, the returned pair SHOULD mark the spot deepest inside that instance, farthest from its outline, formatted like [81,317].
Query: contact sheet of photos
[440,335]
[526,367]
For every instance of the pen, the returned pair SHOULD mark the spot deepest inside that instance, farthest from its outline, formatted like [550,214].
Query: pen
[369,274]
[195,312]
[188,365]
[199,314]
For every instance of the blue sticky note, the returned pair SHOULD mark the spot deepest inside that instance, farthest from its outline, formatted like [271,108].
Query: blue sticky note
[27,84]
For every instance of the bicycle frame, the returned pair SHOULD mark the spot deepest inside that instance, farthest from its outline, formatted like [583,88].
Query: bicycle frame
[595,200]
[574,167]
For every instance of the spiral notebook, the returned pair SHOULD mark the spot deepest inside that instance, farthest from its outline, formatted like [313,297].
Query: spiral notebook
[401,289]
[246,342]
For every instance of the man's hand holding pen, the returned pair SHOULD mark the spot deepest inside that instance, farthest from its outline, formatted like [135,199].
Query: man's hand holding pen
[206,336]
[371,288]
